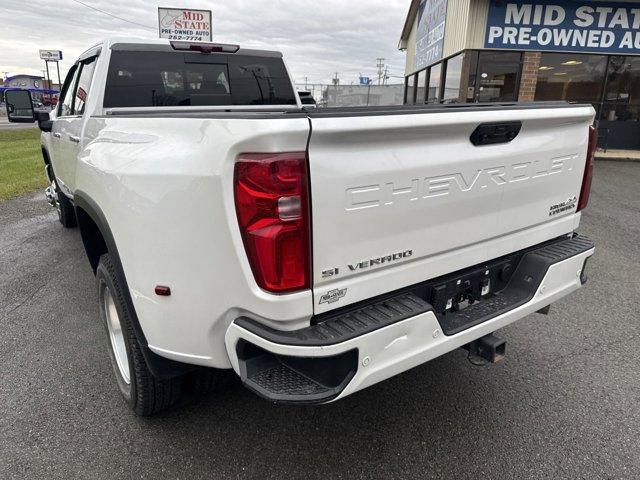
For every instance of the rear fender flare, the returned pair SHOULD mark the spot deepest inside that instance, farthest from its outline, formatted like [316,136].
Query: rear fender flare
[161,367]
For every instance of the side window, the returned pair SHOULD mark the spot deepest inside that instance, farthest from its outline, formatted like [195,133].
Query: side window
[66,101]
[84,83]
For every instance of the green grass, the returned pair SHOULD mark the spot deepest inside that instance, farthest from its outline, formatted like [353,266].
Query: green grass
[21,165]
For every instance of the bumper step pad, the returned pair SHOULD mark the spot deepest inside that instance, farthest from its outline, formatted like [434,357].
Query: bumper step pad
[285,379]
[282,380]
[351,323]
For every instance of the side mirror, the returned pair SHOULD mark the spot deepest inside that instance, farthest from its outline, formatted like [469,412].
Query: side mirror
[19,106]
[44,122]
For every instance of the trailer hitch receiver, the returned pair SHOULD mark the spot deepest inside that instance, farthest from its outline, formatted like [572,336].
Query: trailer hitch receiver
[487,349]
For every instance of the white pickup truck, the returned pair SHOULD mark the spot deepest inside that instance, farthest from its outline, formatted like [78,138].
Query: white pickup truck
[315,252]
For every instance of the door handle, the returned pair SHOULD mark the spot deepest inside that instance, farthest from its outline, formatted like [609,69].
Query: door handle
[495,133]
[56,134]
[74,139]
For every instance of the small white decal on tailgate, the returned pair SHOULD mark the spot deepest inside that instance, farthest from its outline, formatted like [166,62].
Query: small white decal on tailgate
[562,207]
[333,295]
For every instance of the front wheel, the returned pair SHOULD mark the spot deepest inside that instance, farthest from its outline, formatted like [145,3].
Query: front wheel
[145,393]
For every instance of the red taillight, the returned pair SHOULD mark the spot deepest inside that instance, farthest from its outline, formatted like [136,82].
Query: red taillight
[588,169]
[272,204]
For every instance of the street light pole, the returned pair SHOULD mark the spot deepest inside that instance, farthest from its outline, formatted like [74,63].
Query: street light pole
[59,83]
[46,63]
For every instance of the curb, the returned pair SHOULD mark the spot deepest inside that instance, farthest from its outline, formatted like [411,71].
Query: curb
[616,159]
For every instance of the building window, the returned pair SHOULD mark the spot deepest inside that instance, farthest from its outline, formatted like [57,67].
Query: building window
[453,79]
[498,76]
[421,87]
[433,95]
[571,77]
[622,94]
[410,90]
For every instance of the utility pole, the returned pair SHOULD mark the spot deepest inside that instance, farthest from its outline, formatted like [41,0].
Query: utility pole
[380,65]
[386,75]
[306,80]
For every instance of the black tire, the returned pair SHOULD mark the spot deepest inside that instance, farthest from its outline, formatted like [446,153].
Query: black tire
[66,212]
[144,393]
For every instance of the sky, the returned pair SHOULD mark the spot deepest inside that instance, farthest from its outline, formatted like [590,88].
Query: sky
[318,38]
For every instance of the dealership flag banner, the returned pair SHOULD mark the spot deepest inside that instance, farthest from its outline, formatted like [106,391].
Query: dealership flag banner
[432,15]
[564,26]
[185,24]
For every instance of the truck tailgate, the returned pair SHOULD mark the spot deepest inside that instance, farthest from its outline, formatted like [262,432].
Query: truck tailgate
[401,196]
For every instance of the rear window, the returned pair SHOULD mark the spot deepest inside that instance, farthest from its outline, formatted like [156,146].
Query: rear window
[154,79]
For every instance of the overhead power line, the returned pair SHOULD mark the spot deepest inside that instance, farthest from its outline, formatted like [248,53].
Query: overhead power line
[115,16]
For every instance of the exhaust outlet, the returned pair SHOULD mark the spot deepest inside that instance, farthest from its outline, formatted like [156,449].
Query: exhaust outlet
[487,349]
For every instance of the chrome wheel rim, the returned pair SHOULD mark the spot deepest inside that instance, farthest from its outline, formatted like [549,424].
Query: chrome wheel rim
[116,335]
[54,200]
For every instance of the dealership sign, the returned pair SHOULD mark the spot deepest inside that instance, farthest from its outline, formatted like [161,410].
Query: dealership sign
[185,24]
[51,55]
[564,25]
[430,38]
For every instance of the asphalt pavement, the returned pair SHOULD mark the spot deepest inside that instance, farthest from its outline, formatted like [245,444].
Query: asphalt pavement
[5,124]
[564,404]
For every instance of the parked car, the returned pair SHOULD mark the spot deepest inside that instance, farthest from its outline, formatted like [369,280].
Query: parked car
[315,252]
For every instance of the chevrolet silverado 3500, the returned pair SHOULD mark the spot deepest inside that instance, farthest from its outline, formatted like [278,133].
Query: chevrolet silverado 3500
[315,252]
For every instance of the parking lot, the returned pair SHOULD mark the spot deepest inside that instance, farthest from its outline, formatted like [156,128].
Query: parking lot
[5,125]
[564,404]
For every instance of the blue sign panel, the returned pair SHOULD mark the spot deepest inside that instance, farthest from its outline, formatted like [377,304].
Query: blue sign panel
[564,26]
[432,15]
